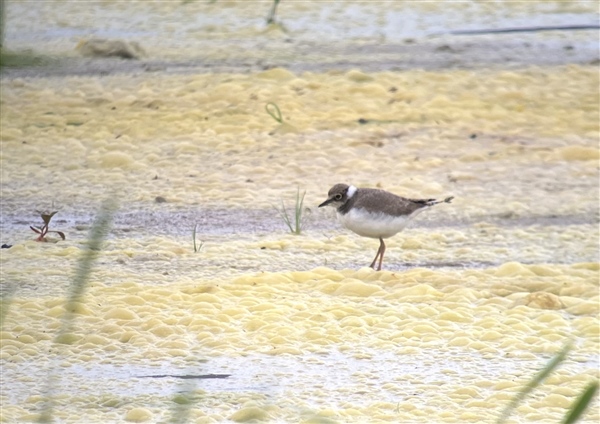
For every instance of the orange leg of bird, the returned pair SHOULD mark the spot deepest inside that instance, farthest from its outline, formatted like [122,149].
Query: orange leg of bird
[382,247]
[379,255]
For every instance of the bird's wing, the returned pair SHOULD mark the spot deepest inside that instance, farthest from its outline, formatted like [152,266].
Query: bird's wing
[389,203]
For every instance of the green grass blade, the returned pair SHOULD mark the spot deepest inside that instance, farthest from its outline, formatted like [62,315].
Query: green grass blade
[580,405]
[183,402]
[275,112]
[96,237]
[284,216]
[534,382]
[79,283]
[298,210]
[194,238]
[295,227]
[197,246]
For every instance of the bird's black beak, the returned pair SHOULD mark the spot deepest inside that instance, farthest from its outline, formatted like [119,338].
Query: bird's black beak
[326,202]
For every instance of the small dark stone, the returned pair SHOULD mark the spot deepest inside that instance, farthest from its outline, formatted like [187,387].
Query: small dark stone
[444,48]
[262,248]
[160,199]
[6,246]
[472,136]
[363,121]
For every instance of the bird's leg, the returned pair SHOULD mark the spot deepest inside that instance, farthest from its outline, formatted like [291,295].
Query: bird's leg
[376,256]
[379,255]
[382,248]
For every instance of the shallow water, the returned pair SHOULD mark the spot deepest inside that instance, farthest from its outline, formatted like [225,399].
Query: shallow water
[348,344]
[174,26]
[402,380]
[230,36]
[474,298]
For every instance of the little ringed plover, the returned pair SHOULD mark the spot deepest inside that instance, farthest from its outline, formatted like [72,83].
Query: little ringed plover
[375,213]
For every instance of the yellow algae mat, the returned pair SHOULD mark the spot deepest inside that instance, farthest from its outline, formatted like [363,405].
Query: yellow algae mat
[473,300]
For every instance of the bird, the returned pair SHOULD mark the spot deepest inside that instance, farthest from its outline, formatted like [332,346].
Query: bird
[375,213]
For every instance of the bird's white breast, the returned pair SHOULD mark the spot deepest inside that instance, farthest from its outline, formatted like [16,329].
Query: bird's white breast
[374,225]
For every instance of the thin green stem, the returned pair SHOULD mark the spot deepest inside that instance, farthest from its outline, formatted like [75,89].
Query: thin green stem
[284,216]
[581,404]
[275,112]
[299,204]
[272,12]
[197,247]
[194,238]
[79,283]
[296,226]
[182,402]
[534,382]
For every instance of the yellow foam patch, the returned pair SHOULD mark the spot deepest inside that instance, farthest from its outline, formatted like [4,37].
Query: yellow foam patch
[579,153]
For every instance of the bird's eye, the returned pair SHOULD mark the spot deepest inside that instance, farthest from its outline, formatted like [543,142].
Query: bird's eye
[338,197]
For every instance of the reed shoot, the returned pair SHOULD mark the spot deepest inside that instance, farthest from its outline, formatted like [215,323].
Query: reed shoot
[294,223]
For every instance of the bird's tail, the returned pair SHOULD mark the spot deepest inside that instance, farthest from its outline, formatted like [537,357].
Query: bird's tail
[431,202]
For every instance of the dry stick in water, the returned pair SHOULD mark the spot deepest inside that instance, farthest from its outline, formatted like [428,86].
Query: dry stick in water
[272,12]
[78,285]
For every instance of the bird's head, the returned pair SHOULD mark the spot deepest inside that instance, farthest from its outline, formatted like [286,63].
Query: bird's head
[338,195]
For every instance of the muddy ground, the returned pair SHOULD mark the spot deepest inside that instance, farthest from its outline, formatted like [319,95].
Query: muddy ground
[441,52]
[474,296]
[436,52]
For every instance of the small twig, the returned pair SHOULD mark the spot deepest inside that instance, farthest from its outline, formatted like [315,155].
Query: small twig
[186,376]
[271,16]
[363,121]
[526,29]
